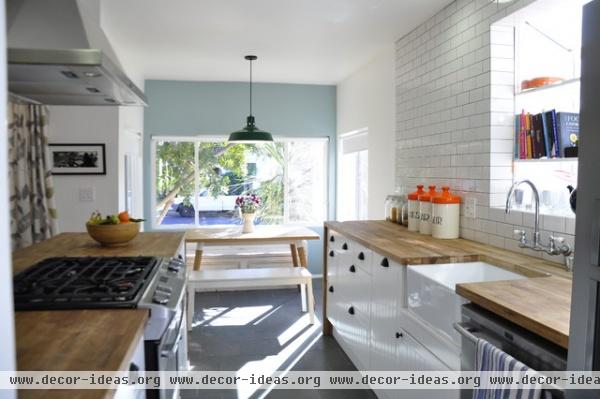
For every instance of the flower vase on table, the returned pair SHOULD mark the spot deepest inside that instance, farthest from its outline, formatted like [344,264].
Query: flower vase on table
[248,205]
[248,222]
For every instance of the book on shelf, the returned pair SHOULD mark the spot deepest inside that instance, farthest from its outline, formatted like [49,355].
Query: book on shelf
[549,134]
[539,150]
[568,130]
[523,136]
[529,137]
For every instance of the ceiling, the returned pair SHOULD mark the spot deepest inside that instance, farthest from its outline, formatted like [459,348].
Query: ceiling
[297,41]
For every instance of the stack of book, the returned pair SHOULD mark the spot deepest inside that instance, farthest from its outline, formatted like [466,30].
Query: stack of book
[549,134]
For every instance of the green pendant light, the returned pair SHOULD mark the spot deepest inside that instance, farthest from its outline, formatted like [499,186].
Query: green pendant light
[250,133]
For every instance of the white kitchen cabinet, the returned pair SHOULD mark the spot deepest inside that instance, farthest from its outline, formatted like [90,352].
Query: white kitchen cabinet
[386,297]
[361,257]
[411,355]
[349,303]
[136,363]
[352,334]
[368,311]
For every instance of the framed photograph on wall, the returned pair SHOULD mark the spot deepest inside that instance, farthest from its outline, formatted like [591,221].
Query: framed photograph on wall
[78,159]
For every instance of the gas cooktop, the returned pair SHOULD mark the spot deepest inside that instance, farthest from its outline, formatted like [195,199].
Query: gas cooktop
[78,283]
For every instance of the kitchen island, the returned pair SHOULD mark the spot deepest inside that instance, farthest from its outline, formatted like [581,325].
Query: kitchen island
[540,303]
[92,339]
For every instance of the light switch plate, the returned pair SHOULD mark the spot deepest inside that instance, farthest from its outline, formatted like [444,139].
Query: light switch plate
[470,208]
[87,194]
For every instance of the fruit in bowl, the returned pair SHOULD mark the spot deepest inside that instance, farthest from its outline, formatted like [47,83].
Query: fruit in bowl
[113,229]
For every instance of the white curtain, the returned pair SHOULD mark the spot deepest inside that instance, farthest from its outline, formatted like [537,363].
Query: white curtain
[32,211]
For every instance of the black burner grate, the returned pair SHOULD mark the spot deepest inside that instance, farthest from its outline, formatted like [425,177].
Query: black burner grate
[91,282]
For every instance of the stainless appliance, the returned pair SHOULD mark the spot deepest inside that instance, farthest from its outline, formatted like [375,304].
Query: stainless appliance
[70,77]
[530,349]
[70,62]
[153,283]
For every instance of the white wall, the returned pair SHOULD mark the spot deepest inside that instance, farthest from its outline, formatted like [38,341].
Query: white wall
[366,100]
[131,121]
[454,126]
[72,124]
[7,334]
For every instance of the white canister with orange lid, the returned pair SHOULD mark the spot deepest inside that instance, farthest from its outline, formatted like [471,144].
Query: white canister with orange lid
[445,219]
[425,210]
[413,208]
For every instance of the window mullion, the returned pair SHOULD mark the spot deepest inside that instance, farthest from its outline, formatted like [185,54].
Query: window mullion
[286,185]
[196,184]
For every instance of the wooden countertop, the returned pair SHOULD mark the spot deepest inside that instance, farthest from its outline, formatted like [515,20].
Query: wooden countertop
[540,303]
[99,339]
[81,244]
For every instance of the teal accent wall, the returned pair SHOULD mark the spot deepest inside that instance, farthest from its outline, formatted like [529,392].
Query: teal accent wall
[180,108]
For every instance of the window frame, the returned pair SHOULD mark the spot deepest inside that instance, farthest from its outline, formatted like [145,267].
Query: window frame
[154,139]
[359,142]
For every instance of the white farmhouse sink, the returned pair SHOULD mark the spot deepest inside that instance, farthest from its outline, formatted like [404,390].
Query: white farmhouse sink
[431,296]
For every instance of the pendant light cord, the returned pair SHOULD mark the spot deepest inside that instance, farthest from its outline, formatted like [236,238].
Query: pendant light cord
[250,87]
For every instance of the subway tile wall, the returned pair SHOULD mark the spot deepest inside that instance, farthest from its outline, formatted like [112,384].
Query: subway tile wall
[454,117]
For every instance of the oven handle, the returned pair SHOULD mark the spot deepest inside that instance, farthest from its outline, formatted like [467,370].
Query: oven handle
[463,329]
[172,349]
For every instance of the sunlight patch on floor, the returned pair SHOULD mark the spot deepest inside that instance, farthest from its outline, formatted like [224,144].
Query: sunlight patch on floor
[270,364]
[257,322]
[240,316]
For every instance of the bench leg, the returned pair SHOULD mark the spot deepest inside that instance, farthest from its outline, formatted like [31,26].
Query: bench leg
[303,297]
[198,255]
[191,292]
[311,301]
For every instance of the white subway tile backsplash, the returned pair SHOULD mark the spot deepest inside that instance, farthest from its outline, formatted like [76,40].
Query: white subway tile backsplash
[496,214]
[514,217]
[496,241]
[553,223]
[454,115]
[570,226]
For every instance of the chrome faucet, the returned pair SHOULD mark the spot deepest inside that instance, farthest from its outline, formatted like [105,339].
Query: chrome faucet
[536,245]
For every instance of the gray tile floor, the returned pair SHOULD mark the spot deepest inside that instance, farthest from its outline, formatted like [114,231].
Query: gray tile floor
[255,329]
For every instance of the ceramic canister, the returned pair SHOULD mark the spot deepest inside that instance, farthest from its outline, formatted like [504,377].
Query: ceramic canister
[425,210]
[413,208]
[445,215]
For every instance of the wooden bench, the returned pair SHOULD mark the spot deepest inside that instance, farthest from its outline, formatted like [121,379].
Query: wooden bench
[246,278]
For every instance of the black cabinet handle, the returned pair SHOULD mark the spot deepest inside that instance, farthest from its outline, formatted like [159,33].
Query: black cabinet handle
[331,289]
[385,263]
[399,335]
[352,269]
[351,310]
[345,247]
[331,253]
[361,256]
[332,239]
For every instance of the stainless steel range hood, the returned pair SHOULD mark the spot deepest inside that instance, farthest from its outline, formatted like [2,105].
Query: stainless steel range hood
[49,71]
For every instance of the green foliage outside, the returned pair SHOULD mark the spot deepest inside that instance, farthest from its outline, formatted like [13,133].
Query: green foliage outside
[222,170]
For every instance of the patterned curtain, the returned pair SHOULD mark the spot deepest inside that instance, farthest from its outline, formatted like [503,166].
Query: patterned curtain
[32,211]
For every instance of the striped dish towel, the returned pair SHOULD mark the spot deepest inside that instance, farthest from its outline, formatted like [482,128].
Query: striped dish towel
[490,359]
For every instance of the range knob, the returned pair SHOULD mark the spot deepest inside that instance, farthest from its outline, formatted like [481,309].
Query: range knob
[161,299]
[177,261]
[164,289]
[174,266]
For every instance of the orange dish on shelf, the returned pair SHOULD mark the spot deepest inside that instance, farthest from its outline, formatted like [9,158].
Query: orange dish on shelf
[539,82]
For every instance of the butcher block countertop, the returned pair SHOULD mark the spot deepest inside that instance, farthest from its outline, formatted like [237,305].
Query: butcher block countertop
[95,339]
[541,303]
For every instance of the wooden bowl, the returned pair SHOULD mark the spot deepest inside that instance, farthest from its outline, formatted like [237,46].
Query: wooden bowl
[113,234]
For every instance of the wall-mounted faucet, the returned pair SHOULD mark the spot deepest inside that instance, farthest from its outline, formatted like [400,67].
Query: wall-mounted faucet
[552,248]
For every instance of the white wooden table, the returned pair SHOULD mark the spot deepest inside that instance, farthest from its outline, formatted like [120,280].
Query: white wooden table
[295,236]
